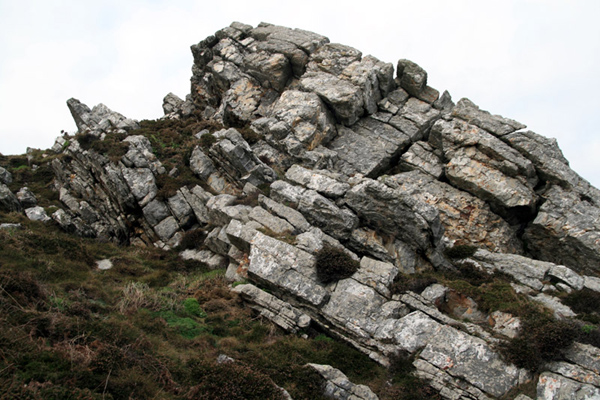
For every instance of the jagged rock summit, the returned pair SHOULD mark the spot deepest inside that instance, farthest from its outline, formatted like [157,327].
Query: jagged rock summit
[293,144]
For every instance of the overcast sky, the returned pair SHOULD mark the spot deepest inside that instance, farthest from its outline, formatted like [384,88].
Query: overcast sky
[535,61]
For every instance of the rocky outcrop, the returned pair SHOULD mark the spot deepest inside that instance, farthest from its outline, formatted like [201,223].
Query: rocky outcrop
[312,144]
[99,119]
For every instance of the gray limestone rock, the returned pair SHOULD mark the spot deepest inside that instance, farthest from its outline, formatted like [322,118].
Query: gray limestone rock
[241,235]
[142,184]
[395,213]
[275,224]
[155,211]
[553,303]
[197,198]
[5,176]
[241,102]
[321,181]
[37,213]
[343,97]
[574,372]
[99,119]
[338,386]
[376,274]
[465,217]
[592,283]
[333,58]
[367,241]
[140,154]
[556,387]
[369,147]
[466,110]
[166,228]
[415,118]
[26,198]
[281,313]
[291,215]
[181,209]
[8,201]
[305,116]
[524,270]
[411,332]
[505,324]
[171,104]
[566,231]
[305,40]
[284,192]
[272,70]
[485,166]
[423,157]
[355,308]
[584,355]
[285,268]
[464,356]
[212,260]
[238,160]
[412,77]
[325,214]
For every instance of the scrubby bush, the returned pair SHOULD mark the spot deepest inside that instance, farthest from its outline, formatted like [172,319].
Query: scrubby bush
[231,381]
[334,264]
[414,283]
[583,301]
[540,340]
[460,251]
[207,140]
[192,239]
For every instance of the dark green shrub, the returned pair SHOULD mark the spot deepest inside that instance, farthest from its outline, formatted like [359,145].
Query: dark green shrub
[583,301]
[460,251]
[230,380]
[249,135]
[542,338]
[414,283]
[192,239]
[207,140]
[334,264]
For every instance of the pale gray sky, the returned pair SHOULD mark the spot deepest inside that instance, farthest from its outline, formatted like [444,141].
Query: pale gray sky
[536,61]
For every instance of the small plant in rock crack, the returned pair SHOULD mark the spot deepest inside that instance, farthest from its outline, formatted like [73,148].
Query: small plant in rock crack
[334,264]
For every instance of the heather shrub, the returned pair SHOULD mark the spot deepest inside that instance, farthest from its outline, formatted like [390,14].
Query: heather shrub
[460,251]
[192,239]
[207,140]
[414,283]
[334,264]
[230,380]
[541,339]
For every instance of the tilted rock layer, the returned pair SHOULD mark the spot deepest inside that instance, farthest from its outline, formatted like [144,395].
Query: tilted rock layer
[356,157]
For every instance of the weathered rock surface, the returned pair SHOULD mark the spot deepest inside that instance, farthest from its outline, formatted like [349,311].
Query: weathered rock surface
[8,200]
[321,145]
[339,387]
[99,119]
[465,217]
[566,231]
[5,176]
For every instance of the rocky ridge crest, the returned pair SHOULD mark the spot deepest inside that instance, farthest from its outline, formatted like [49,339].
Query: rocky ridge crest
[334,149]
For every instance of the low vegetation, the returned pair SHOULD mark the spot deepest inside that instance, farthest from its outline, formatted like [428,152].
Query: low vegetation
[152,326]
[334,264]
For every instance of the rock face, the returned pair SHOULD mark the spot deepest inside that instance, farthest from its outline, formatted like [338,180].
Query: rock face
[317,145]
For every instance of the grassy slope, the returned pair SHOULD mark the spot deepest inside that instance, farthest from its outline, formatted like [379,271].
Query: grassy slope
[150,327]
